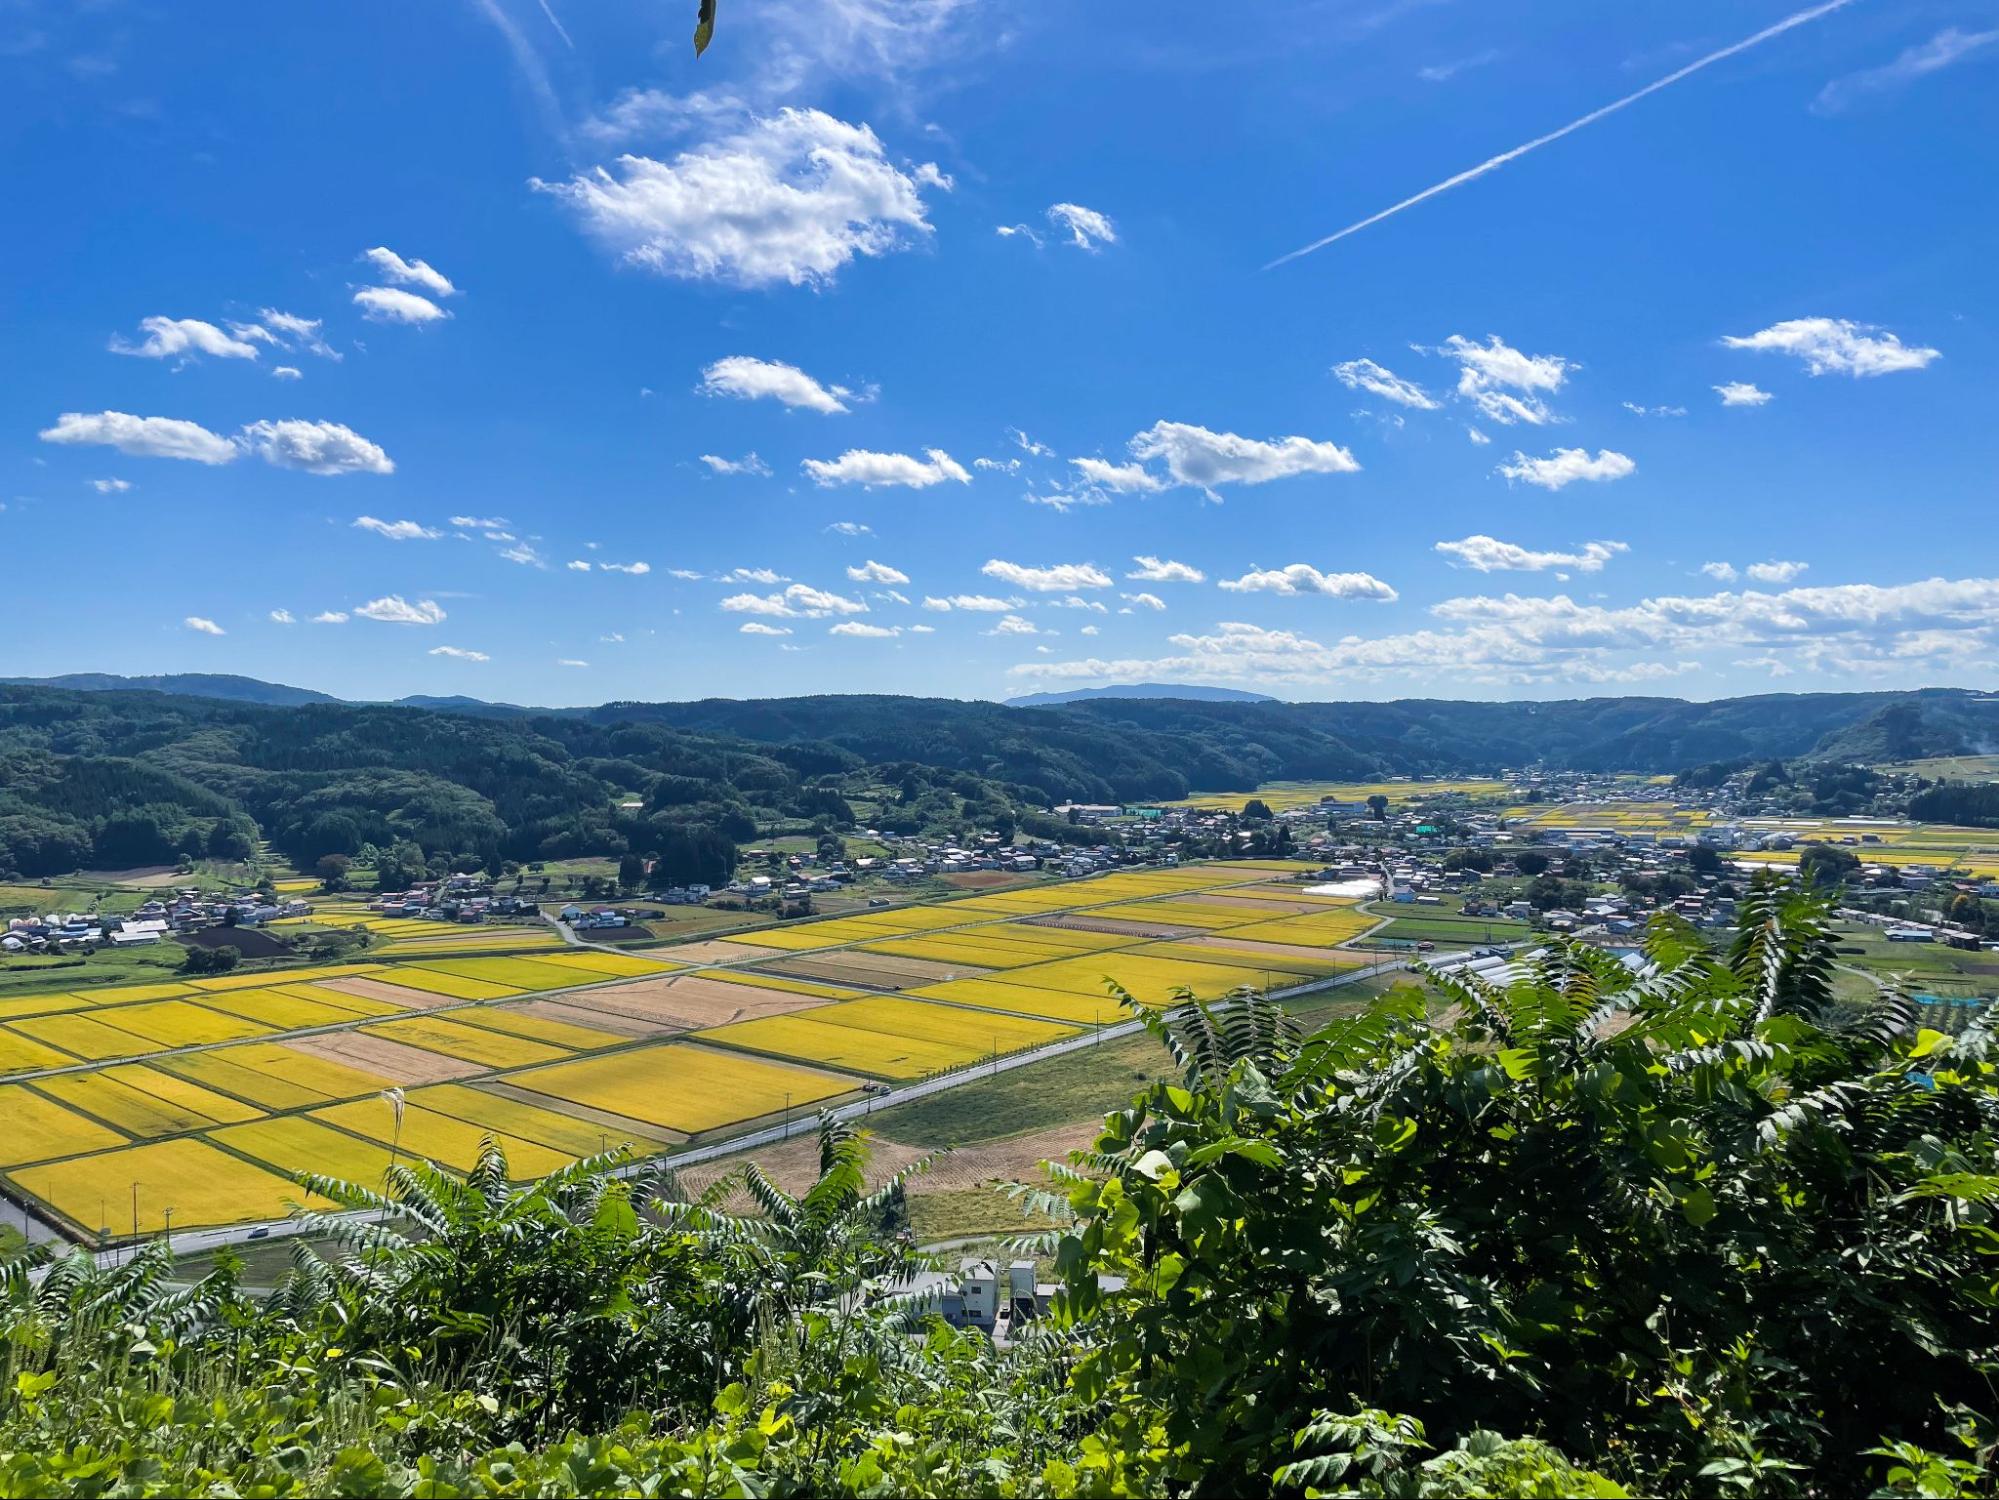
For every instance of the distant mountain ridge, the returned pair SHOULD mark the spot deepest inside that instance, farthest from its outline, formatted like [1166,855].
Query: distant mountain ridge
[1192,692]
[1109,743]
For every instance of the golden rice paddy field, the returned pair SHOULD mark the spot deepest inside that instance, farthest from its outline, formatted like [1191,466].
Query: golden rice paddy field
[1282,796]
[1947,847]
[207,1096]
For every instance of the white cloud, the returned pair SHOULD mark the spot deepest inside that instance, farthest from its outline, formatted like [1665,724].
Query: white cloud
[283,328]
[1090,630]
[142,437]
[1063,501]
[1014,625]
[409,272]
[851,528]
[577,565]
[977,603]
[1947,47]
[110,486]
[922,629]
[874,572]
[998,465]
[691,575]
[1837,346]
[282,617]
[751,575]
[203,626]
[1444,72]
[1143,601]
[1303,578]
[570,661]
[1076,601]
[288,372]
[636,569]
[860,466]
[800,601]
[1126,479]
[1505,385]
[1086,228]
[1478,439]
[1028,445]
[481,523]
[864,630]
[315,448]
[749,379]
[1366,375]
[393,609]
[1489,555]
[757,627]
[749,463]
[1059,578]
[458,653]
[1775,571]
[791,198]
[1653,411]
[1199,457]
[1161,570]
[1721,571]
[330,617]
[1742,393]
[389,304]
[184,338]
[1566,465]
[398,531]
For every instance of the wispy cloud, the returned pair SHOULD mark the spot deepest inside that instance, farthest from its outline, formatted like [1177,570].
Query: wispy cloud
[1505,158]
[1947,48]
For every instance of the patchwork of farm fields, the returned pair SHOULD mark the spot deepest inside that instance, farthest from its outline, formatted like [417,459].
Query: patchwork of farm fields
[198,1101]
[1878,841]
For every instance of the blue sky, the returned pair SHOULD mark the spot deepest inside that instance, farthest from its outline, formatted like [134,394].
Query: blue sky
[397,349]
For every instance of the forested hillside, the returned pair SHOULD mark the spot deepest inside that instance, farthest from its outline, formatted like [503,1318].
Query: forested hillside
[111,778]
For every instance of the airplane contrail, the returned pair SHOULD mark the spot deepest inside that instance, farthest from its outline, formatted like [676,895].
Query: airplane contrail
[1801,18]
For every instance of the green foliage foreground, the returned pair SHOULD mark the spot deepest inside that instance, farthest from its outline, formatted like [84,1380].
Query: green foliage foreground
[1691,1233]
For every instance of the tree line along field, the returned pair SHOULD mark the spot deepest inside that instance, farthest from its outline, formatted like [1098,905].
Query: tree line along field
[195,1101]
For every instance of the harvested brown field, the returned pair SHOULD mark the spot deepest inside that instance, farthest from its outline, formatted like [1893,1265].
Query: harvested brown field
[373,1054]
[691,1002]
[1114,926]
[573,1014]
[394,994]
[1251,948]
[1272,904]
[710,951]
[883,971]
[978,880]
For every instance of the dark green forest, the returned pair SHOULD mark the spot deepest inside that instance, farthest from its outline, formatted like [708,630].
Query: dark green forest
[1703,1232]
[112,777]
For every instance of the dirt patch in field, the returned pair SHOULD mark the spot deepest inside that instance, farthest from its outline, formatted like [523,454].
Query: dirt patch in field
[690,1003]
[150,876]
[712,951]
[602,1020]
[375,1054]
[794,1164]
[978,880]
[1115,926]
[394,994]
[883,971]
